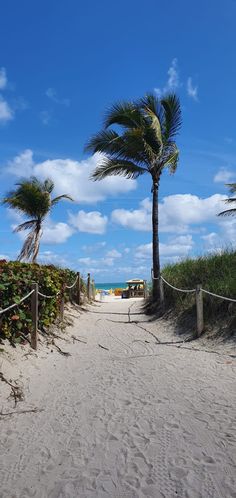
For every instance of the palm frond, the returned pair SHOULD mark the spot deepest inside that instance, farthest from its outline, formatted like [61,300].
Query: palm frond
[172,119]
[152,109]
[172,161]
[128,147]
[146,141]
[228,212]
[125,114]
[230,200]
[61,197]
[31,244]
[111,167]
[105,141]
[232,187]
[28,246]
[25,226]
[38,233]
[48,185]
[137,146]
[29,199]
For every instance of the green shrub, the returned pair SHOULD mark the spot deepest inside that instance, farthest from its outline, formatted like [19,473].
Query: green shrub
[215,272]
[15,282]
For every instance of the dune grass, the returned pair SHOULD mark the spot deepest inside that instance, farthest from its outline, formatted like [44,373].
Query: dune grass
[215,272]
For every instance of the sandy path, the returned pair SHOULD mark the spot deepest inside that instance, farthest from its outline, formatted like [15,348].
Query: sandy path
[135,420]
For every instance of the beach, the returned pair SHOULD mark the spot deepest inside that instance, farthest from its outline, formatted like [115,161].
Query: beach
[133,412]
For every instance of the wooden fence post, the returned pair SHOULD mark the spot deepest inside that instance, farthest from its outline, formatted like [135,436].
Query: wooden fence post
[88,287]
[62,303]
[199,309]
[162,296]
[145,289]
[93,290]
[78,288]
[34,314]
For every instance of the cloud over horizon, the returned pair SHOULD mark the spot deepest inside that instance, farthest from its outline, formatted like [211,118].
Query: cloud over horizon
[177,213]
[76,182]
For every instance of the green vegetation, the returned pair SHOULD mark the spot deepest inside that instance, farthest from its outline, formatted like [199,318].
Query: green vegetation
[15,283]
[215,272]
[32,198]
[146,144]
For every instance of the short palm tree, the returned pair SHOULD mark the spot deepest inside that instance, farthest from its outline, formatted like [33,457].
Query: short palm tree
[230,200]
[144,143]
[32,198]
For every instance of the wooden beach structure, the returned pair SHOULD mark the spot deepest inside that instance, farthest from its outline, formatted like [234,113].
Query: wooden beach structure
[135,288]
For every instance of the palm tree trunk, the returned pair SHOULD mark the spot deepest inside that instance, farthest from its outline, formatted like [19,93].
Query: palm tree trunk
[155,244]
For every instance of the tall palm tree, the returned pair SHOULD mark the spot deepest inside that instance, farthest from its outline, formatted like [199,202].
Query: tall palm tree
[230,200]
[32,198]
[144,143]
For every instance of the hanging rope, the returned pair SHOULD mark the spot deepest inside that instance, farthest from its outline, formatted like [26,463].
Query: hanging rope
[17,304]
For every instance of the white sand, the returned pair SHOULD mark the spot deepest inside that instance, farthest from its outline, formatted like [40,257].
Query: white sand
[137,420]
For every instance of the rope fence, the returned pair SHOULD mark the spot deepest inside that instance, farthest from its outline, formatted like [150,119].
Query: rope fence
[199,291]
[176,288]
[48,297]
[35,294]
[73,285]
[16,304]
[220,297]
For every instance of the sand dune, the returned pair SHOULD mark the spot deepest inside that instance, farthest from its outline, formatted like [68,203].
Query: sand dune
[123,416]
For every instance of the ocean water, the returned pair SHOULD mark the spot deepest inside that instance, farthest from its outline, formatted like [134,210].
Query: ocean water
[108,286]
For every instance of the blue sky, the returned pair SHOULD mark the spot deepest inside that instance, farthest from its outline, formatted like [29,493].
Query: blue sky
[62,64]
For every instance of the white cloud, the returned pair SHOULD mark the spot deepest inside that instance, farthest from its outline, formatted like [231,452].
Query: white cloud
[15,216]
[192,90]
[6,113]
[107,261]
[144,251]
[51,258]
[173,83]
[87,261]
[113,254]
[176,247]
[210,238]
[212,242]
[53,232]
[98,263]
[4,256]
[224,176]
[228,231]
[71,177]
[173,79]
[176,213]
[173,73]
[136,219]
[92,222]
[22,165]
[226,237]
[45,117]
[94,247]
[52,95]
[186,209]
[56,233]
[3,78]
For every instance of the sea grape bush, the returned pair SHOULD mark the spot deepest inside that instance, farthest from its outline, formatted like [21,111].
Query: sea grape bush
[15,282]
